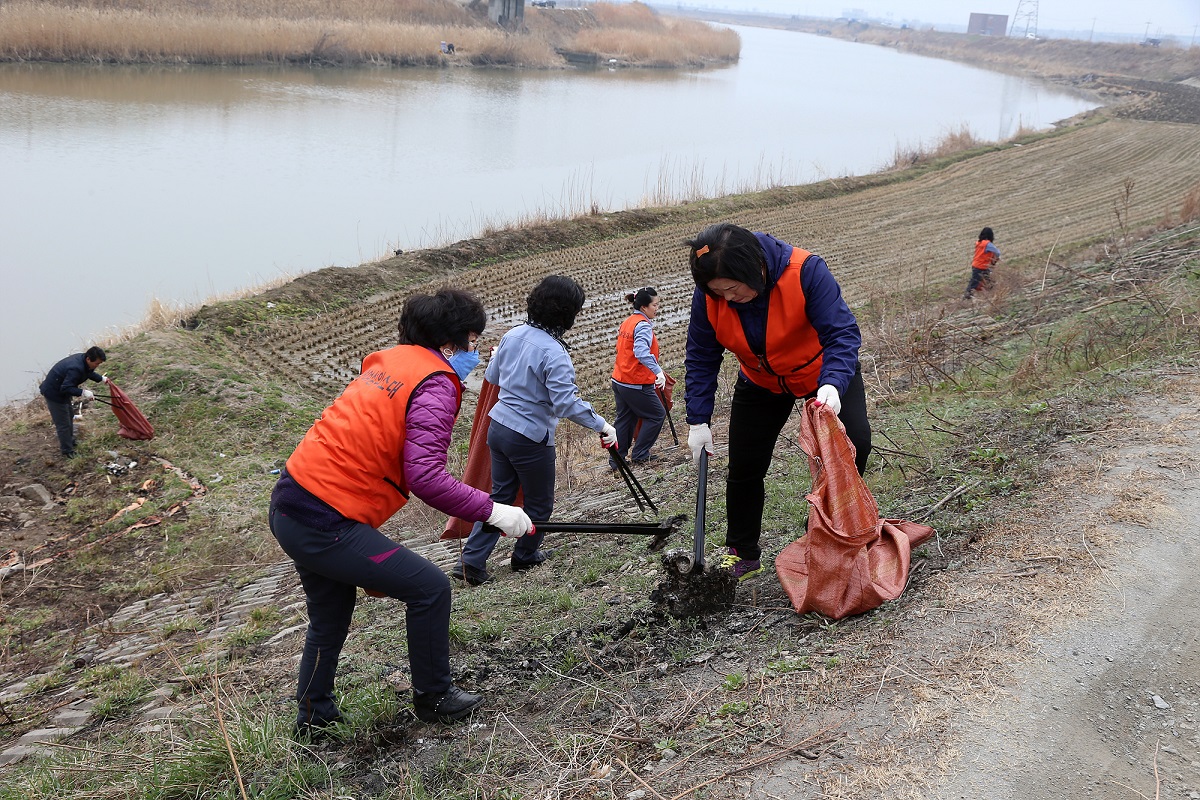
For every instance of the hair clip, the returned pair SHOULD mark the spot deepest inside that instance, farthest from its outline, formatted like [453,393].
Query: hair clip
[701,251]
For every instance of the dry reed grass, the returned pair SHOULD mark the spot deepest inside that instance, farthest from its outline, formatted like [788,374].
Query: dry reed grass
[428,12]
[954,141]
[1189,209]
[404,33]
[39,32]
[1042,56]
[635,34]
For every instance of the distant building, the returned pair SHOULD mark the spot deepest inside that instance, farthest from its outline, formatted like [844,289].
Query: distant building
[988,24]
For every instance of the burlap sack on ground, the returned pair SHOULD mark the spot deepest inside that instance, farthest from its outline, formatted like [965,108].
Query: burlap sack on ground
[850,560]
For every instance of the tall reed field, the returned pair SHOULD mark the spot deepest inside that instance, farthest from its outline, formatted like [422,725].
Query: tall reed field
[634,33]
[345,32]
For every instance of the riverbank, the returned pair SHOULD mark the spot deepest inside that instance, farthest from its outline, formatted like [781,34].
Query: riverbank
[170,671]
[1051,59]
[356,33]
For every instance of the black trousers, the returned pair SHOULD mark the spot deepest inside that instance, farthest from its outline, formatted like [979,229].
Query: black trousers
[633,405]
[64,424]
[756,418]
[980,279]
[331,565]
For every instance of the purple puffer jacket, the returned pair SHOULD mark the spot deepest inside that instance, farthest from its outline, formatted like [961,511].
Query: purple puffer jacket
[428,425]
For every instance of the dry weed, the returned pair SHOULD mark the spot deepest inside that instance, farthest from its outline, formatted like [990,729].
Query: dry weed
[1189,209]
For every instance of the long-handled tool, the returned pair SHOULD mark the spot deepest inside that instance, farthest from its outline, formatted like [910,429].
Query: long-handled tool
[681,562]
[662,398]
[689,588]
[635,487]
[701,501]
[659,530]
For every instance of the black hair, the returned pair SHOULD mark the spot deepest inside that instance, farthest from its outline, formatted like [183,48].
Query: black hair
[642,297]
[986,233]
[95,354]
[448,315]
[553,304]
[727,251]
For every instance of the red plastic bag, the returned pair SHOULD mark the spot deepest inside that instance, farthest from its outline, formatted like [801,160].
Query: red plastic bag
[850,560]
[134,424]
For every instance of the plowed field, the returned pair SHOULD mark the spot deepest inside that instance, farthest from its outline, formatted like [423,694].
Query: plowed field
[1092,181]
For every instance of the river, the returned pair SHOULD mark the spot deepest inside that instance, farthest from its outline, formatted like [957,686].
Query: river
[122,186]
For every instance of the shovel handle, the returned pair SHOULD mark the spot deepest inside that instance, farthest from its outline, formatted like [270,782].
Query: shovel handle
[701,501]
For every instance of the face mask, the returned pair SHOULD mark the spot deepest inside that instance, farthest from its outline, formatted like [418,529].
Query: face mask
[463,361]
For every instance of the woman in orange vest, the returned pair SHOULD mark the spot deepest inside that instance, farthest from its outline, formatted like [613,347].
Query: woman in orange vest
[986,256]
[778,309]
[636,377]
[384,437]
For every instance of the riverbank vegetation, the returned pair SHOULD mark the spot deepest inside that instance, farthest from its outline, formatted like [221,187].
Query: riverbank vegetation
[351,32]
[978,409]
[1046,58]
[971,413]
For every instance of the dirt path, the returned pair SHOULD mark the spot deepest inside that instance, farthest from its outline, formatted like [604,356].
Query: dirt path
[1106,705]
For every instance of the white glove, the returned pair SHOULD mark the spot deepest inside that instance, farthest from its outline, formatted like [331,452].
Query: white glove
[828,395]
[104,379]
[660,380]
[88,394]
[511,520]
[700,438]
[608,436]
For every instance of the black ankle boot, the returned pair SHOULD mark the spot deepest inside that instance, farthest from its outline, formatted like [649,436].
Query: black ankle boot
[449,706]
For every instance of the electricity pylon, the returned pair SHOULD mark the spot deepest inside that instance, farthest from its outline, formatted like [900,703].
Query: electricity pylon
[1027,14]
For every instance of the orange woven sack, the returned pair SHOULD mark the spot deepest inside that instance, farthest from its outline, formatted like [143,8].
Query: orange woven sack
[478,472]
[850,560]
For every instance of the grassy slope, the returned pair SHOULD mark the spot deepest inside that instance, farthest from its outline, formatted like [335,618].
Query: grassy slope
[972,398]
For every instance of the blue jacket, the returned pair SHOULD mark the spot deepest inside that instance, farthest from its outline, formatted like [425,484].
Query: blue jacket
[537,386]
[64,378]
[836,327]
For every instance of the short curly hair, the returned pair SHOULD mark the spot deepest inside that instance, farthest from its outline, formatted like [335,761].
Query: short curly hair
[448,315]
[554,303]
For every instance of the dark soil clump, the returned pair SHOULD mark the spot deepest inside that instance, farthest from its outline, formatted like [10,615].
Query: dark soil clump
[693,591]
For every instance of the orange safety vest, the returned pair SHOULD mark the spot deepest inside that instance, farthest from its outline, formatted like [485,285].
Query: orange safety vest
[983,259]
[628,369]
[352,457]
[792,361]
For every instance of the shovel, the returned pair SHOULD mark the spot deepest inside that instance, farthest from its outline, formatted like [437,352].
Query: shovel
[681,562]
[689,589]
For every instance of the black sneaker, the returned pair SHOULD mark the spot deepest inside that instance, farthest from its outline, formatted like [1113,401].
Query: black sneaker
[538,557]
[317,731]
[449,706]
[472,575]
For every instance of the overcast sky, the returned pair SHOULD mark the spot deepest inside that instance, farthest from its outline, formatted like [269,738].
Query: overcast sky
[1166,17]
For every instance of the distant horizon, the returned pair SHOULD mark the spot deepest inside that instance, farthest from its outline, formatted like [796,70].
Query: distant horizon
[1044,32]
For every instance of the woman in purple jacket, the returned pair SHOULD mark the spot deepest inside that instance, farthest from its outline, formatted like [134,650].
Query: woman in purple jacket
[384,437]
